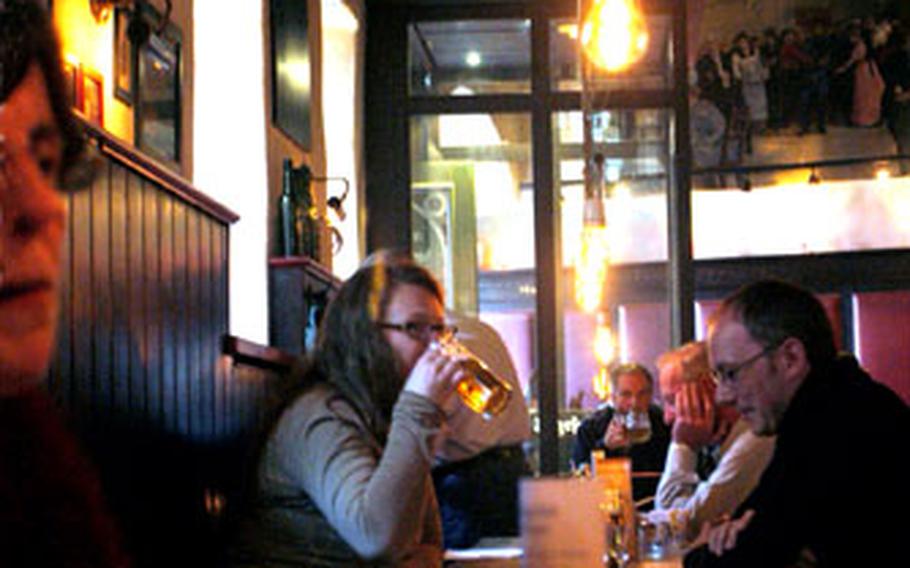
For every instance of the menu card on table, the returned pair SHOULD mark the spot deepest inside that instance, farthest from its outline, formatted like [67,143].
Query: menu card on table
[562,525]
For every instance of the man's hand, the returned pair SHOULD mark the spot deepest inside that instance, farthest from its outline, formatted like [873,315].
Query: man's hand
[695,416]
[722,537]
[616,436]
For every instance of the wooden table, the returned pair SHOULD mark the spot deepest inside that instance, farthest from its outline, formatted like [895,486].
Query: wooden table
[507,553]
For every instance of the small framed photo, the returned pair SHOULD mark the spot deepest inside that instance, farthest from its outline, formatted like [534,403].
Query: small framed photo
[124,57]
[72,74]
[93,97]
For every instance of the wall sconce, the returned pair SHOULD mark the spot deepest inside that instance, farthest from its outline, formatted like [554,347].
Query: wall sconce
[336,203]
[299,220]
[102,9]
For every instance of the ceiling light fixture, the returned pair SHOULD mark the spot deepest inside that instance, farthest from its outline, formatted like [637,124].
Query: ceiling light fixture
[613,33]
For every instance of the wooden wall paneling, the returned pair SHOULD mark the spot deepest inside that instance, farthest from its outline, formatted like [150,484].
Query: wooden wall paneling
[135,198]
[80,387]
[61,372]
[120,282]
[102,293]
[168,316]
[151,348]
[220,324]
[208,338]
[191,307]
[181,335]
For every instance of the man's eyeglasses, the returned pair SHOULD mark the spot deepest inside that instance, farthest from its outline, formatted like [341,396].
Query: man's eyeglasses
[421,331]
[727,376]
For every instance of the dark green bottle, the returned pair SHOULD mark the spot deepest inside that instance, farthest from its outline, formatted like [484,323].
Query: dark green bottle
[287,205]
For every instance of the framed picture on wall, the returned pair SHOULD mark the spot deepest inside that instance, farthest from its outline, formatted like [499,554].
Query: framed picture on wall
[93,97]
[290,69]
[157,95]
[73,84]
[124,57]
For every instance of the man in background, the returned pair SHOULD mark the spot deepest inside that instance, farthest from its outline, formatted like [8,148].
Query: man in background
[632,390]
[714,460]
[479,462]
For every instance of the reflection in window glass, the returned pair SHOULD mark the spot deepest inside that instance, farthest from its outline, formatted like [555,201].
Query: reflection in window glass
[472,222]
[635,146]
[159,99]
[828,216]
[653,72]
[470,57]
[634,143]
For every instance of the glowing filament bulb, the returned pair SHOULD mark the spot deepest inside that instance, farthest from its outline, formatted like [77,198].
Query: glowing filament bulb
[613,34]
[604,346]
[601,384]
[591,267]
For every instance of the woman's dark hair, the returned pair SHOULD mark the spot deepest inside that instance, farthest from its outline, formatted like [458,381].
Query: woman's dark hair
[27,38]
[749,41]
[772,311]
[351,352]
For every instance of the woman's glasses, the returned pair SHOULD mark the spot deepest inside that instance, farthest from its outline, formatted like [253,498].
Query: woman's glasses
[421,331]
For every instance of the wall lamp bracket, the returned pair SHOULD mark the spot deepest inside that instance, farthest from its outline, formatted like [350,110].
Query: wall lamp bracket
[102,10]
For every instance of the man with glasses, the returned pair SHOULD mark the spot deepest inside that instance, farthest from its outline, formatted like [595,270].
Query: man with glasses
[836,491]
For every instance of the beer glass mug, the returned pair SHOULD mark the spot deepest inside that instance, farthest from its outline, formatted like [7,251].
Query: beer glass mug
[481,389]
[637,425]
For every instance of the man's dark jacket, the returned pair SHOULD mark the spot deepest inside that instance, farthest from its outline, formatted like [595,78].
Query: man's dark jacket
[838,486]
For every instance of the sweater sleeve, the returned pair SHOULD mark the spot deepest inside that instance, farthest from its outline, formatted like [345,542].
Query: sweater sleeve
[376,500]
[741,465]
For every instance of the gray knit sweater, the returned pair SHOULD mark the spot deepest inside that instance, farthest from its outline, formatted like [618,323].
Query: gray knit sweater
[329,495]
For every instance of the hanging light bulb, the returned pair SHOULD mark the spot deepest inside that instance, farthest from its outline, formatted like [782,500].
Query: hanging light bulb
[613,34]
[593,257]
[605,353]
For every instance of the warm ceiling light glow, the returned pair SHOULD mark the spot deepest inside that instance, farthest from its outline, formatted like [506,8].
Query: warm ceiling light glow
[570,30]
[882,172]
[601,384]
[605,353]
[604,345]
[613,34]
[473,59]
[591,267]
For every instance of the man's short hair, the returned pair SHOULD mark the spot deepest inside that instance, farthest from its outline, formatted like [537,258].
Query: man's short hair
[772,311]
[627,369]
[692,359]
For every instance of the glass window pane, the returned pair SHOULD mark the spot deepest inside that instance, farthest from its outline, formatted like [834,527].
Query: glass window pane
[634,143]
[472,222]
[819,217]
[470,57]
[654,71]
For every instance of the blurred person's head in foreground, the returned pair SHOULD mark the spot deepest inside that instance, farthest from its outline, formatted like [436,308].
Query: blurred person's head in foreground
[40,151]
